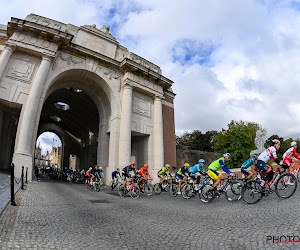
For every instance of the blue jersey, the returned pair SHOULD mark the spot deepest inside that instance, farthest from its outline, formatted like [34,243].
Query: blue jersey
[248,163]
[196,168]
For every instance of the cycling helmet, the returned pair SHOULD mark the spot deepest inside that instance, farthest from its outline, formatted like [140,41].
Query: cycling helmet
[146,166]
[255,155]
[201,161]
[227,155]
[118,169]
[293,143]
[186,165]
[90,168]
[167,165]
[133,163]
[100,168]
[276,141]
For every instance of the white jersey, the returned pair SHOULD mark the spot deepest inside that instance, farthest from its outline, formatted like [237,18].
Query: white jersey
[268,154]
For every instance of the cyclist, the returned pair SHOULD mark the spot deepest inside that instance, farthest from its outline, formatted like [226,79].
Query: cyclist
[88,176]
[216,165]
[163,173]
[181,175]
[126,170]
[194,172]
[100,172]
[142,172]
[251,162]
[287,156]
[264,157]
[115,175]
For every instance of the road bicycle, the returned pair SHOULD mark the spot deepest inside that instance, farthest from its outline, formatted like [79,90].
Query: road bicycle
[283,184]
[97,184]
[192,188]
[232,189]
[147,187]
[117,183]
[131,188]
[159,187]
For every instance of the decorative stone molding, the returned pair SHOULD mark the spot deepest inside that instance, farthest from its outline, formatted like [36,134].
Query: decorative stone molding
[47,22]
[21,69]
[141,106]
[37,42]
[71,60]
[144,62]
[109,72]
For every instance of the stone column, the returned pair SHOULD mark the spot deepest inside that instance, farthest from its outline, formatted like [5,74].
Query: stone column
[158,140]
[23,154]
[125,127]
[5,56]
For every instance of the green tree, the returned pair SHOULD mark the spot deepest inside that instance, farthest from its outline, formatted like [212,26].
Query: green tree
[238,140]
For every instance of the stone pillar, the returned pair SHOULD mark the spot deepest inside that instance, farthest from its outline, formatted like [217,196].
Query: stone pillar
[158,140]
[125,127]
[23,154]
[5,56]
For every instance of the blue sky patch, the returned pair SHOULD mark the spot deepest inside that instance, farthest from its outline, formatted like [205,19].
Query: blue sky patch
[187,51]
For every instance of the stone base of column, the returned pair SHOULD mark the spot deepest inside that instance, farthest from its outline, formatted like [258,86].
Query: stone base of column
[25,160]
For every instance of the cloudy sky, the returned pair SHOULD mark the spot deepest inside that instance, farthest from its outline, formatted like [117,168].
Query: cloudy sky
[230,60]
[47,140]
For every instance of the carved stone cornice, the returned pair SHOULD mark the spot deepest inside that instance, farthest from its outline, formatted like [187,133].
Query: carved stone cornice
[52,33]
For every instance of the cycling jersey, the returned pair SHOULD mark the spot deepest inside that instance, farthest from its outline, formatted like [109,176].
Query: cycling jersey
[196,168]
[88,173]
[114,174]
[248,163]
[181,171]
[291,152]
[164,170]
[220,163]
[268,154]
[126,170]
[144,171]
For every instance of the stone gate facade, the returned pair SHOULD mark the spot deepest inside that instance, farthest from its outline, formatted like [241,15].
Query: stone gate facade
[120,105]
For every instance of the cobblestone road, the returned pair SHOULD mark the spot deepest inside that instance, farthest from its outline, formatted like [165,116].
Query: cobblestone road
[61,216]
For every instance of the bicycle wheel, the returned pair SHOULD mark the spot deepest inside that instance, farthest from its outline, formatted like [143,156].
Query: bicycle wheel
[298,176]
[187,191]
[121,191]
[206,194]
[97,186]
[91,187]
[252,192]
[286,185]
[157,188]
[135,191]
[173,190]
[234,191]
[148,189]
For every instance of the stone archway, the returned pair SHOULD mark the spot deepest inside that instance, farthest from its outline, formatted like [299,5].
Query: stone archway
[133,99]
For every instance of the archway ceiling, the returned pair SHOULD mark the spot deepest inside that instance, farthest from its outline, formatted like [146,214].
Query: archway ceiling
[80,119]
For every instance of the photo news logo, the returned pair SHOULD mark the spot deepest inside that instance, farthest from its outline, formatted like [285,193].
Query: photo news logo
[276,239]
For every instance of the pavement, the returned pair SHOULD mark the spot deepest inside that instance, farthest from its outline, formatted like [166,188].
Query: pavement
[53,215]
[5,190]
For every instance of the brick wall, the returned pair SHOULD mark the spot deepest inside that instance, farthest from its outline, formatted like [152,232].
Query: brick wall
[169,133]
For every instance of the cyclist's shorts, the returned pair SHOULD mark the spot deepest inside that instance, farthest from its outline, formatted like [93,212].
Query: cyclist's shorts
[245,171]
[179,177]
[162,175]
[114,175]
[288,161]
[213,174]
[125,175]
[263,166]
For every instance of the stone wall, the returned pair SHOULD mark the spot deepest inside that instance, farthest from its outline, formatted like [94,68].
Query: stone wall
[192,157]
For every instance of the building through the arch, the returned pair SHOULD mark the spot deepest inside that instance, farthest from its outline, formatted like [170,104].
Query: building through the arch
[109,106]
